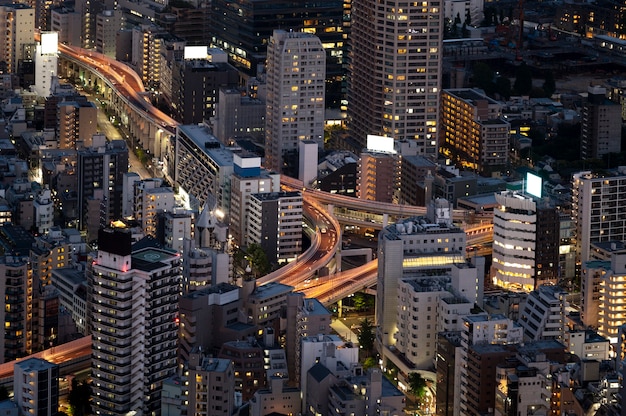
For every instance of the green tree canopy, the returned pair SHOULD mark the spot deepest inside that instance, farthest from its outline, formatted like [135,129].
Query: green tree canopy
[257,259]
[366,336]
[417,384]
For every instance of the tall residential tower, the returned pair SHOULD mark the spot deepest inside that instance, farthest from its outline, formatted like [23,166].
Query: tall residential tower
[394,71]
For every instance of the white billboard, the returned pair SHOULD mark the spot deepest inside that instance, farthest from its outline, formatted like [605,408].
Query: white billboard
[380,144]
[534,184]
[195,52]
[49,43]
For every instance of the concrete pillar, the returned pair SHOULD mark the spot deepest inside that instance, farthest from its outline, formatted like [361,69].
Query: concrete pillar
[385,219]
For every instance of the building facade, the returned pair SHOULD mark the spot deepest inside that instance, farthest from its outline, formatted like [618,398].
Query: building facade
[394,72]
[36,387]
[133,305]
[600,125]
[296,76]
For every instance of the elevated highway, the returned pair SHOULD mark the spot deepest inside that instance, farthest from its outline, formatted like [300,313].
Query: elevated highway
[124,94]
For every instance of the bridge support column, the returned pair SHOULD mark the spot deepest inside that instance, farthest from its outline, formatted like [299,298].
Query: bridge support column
[385,219]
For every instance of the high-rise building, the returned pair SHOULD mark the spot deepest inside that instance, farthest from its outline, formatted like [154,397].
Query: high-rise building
[238,115]
[600,129]
[248,179]
[275,223]
[133,305]
[36,387]
[603,280]
[596,210]
[472,132]
[100,177]
[247,40]
[67,23]
[296,76]
[394,72]
[77,122]
[17,22]
[525,241]
[108,23]
[196,83]
[377,176]
[18,314]
[150,198]
[202,167]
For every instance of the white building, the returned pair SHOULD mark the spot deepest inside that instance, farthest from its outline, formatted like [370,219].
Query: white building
[587,345]
[151,198]
[414,250]
[330,351]
[275,223]
[544,313]
[36,387]
[248,179]
[44,211]
[296,82]
[178,227]
[597,210]
[133,310]
[46,63]
[603,295]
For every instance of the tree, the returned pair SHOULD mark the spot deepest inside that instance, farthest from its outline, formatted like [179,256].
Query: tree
[257,259]
[523,80]
[79,398]
[366,336]
[483,77]
[549,85]
[417,385]
[359,301]
[370,362]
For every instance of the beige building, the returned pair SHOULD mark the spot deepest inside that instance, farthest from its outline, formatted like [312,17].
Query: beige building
[377,176]
[77,123]
[17,23]
[472,132]
[211,385]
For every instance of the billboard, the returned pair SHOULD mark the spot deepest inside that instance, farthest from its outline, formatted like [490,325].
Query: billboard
[380,144]
[196,52]
[534,184]
[49,43]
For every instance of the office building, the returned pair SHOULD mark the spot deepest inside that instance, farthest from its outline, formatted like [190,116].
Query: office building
[177,227]
[77,123]
[544,314]
[133,305]
[211,389]
[71,285]
[337,173]
[448,368]
[587,344]
[188,21]
[196,81]
[100,171]
[108,24]
[66,22]
[238,115]
[394,91]
[473,133]
[17,22]
[600,130]
[36,387]
[247,43]
[209,317]
[276,398]
[150,198]
[596,210]
[202,167]
[296,77]
[275,223]
[417,250]
[304,317]
[525,241]
[248,365]
[248,178]
[264,304]
[43,211]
